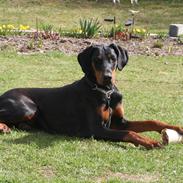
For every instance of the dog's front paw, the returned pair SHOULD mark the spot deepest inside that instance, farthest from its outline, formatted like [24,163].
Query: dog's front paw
[180,130]
[153,144]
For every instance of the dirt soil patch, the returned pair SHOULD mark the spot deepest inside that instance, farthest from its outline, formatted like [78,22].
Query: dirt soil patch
[147,178]
[27,45]
[47,172]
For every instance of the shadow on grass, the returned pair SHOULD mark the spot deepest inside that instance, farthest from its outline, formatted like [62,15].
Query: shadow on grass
[44,140]
[41,139]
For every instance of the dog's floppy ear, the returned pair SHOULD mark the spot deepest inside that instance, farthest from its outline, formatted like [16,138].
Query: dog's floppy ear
[84,59]
[122,55]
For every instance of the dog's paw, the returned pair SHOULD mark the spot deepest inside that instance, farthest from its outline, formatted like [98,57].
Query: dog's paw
[4,128]
[153,144]
[180,130]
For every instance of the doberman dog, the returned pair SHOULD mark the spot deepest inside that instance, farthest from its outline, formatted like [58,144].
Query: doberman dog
[90,107]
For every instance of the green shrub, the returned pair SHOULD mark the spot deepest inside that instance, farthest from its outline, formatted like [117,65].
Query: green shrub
[162,35]
[47,28]
[89,27]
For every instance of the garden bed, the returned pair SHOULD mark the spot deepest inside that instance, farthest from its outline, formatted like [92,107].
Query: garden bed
[26,44]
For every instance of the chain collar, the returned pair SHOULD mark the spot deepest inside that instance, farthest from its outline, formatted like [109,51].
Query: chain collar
[95,87]
[107,93]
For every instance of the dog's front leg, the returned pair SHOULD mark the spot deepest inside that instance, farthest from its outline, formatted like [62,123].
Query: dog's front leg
[151,125]
[118,134]
[139,126]
[104,133]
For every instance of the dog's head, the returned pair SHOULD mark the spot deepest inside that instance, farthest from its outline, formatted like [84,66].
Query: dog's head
[100,62]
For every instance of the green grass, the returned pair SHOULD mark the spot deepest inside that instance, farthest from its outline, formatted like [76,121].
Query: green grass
[154,15]
[152,88]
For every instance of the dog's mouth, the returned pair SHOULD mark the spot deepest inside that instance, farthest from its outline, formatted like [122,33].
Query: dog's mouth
[104,78]
[105,82]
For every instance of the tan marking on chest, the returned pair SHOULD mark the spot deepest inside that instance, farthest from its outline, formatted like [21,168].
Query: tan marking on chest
[118,111]
[104,113]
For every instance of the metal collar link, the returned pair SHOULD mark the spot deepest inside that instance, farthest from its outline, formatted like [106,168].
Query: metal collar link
[94,86]
[106,93]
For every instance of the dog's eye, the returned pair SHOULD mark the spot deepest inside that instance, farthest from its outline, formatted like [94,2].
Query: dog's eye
[113,58]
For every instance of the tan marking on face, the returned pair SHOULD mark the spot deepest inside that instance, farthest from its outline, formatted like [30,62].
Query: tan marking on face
[114,76]
[98,75]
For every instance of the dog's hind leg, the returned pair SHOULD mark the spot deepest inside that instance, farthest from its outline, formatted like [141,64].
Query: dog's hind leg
[15,110]
[4,128]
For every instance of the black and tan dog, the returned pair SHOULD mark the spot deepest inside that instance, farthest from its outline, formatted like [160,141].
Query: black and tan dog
[89,107]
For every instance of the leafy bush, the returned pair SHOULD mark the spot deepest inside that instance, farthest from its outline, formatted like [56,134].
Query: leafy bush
[89,27]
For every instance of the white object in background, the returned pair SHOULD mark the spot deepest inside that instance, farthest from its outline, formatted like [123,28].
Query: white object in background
[171,136]
[133,12]
[134,1]
[114,1]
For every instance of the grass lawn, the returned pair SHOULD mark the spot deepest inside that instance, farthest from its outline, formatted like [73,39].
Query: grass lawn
[154,15]
[152,88]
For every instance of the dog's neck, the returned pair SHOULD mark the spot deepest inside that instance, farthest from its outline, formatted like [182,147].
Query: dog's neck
[106,90]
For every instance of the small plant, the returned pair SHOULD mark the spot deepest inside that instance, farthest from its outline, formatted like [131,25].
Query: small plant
[40,43]
[31,44]
[48,32]
[121,32]
[89,28]
[162,35]
[116,29]
[6,29]
[35,42]
[119,28]
[158,44]
[70,33]
[139,33]
[22,28]
[63,32]
[10,29]
[180,40]
[47,28]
